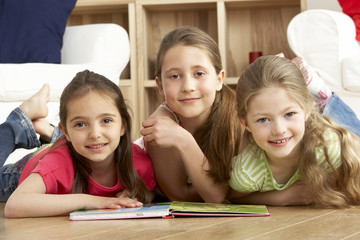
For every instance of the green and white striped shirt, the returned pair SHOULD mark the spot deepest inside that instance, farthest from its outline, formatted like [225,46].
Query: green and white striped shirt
[251,171]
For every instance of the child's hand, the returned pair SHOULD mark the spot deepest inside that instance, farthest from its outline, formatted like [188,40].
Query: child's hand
[161,131]
[296,194]
[96,202]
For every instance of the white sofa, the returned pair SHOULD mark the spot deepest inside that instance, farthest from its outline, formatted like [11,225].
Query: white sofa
[102,48]
[326,40]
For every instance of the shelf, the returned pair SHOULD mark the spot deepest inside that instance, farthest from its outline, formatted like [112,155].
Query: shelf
[256,26]
[238,26]
[99,5]
[125,83]
[122,13]
[159,20]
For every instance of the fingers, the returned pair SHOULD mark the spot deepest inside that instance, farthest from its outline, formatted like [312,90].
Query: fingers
[159,120]
[160,131]
[150,130]
[97,202]
[148,122]
[124,203]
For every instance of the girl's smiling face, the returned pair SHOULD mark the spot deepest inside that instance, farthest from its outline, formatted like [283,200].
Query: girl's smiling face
[277,123]
[94,126]
[189,83]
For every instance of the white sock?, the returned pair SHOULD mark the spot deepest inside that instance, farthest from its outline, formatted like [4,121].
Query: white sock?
[314,82]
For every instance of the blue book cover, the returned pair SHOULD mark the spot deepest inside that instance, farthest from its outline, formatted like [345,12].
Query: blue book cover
[146,211]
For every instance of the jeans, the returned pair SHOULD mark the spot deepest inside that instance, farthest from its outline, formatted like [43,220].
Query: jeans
[16,132]
[342,114]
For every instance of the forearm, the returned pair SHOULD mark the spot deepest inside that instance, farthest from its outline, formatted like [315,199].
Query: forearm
[274,198]
[293,195]
[187,193]
[170,174]
[176,156]
[41,205]
[26,204]
[31,200]
[197,167]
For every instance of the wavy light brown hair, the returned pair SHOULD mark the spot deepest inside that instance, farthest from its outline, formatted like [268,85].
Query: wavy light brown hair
[272,71]
[219,137]
[82,84]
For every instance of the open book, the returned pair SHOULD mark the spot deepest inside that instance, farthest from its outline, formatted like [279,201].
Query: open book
[171,209]
[146,211]
[217,209]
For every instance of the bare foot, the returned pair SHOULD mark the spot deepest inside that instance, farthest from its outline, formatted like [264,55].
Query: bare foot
[43,127]
[36,106]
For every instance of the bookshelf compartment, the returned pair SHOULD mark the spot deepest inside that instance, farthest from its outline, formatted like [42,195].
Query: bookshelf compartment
[238,26]
[256,27]
[159,20]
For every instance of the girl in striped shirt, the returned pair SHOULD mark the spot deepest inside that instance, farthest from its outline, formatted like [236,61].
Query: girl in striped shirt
[287,140]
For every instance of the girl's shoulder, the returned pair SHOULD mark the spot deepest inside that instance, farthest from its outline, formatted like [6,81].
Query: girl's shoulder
[47,152]
[333,145]
[331,134]
[252,157]
[57,152]
[252,152]
[49,160]
[250,170]
[331,140]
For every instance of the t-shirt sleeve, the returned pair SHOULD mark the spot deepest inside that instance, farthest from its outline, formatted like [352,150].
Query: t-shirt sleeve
[57,171]
[143,166]
[247,171]
[332,140]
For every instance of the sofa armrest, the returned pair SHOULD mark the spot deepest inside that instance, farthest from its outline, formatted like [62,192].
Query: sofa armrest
[105,46]
[350,68]
[102,48]
[324,38]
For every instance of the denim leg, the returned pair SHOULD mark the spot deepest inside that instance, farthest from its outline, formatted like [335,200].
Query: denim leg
[10,175]
[16,132]
[342,114]
[57,133]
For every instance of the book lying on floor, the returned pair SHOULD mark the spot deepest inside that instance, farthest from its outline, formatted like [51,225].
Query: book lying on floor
[146,211]
[171,209]
[217,209]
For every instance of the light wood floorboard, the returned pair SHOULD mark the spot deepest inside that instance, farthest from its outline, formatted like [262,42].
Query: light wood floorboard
[284,223]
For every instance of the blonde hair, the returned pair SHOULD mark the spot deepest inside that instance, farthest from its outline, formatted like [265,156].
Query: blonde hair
[272,71]
[219,137]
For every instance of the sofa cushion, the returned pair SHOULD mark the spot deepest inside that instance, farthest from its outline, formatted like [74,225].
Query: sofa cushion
[324,38]
[351,73]
[57,75]
[32,30]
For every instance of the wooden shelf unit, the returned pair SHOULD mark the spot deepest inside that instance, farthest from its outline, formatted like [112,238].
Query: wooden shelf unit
[238,26]
[122,13]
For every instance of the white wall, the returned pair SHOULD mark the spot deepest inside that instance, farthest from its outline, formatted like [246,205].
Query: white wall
[324,4]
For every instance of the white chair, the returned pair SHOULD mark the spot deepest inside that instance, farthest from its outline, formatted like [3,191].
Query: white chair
[326,40]
[102,48]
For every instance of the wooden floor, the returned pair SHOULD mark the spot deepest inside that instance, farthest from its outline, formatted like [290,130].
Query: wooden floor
[284,223]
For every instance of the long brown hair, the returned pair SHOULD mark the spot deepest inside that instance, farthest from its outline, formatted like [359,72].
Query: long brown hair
[219,136]
[83,83]
[272,71]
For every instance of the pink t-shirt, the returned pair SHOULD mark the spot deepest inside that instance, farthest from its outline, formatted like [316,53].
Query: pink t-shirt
[57,171]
